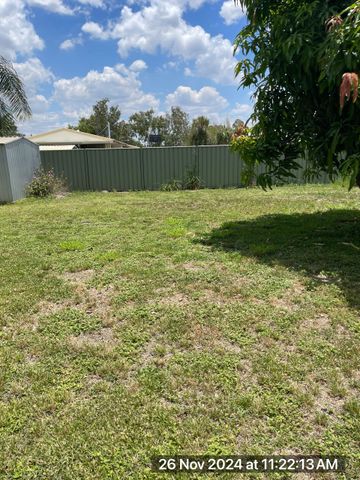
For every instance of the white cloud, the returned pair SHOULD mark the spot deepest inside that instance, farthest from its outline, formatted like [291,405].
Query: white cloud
[120,84]
[241,111]
[39,104]
[93,3]
[70,43]
[160,26]
[230,12]
[17,34]
[56,6]
[206,101]
[95,31]
[33,73]
[171,65]
[42,122]
[138,66]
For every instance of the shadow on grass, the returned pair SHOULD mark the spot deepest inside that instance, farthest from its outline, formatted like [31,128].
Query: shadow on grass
[323,245]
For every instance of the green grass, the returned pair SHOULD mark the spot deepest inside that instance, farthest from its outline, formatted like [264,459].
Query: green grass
[206,322]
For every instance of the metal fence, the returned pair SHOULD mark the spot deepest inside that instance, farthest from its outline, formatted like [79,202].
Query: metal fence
[149,168]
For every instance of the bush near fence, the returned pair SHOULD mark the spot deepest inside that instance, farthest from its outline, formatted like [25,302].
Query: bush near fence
[149,168]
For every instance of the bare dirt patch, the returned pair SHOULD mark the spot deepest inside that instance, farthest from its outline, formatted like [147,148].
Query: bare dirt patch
[192,267]
[102,338]
[79,277]
[326,403]
[91,300]
[50,308]
[283,304]
[219,298]
[178,299]
[320,322]
[286,302]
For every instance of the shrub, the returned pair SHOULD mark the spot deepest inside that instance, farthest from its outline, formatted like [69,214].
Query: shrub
[245,145]
[44,184]
[192,180]
[172,186]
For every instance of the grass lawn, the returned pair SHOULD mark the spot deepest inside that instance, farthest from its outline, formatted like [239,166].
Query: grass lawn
[207,322]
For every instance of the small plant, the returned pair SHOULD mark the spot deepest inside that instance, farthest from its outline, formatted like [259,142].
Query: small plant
[192,180]
[44,184]
[172,186]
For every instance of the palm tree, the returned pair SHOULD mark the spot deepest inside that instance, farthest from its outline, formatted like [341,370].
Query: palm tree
[13,101]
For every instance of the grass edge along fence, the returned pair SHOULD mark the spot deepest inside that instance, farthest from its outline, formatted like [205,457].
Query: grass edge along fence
[150,168]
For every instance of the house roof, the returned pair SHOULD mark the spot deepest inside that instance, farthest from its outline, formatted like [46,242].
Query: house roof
[56,147]
[68,136]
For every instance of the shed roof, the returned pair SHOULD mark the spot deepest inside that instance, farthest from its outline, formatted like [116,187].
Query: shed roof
[5,140]
[68,136]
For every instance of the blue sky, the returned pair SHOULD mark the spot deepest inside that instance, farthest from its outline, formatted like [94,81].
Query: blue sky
[140,54]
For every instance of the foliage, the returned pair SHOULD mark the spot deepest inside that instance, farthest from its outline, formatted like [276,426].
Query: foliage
[45,184]
[220,134]
[199,134]
[245,145]
[173,128]
[295,56]
[192,180]
[13,101]
[177,127]
[141,125]
[172,186]
[103,116]
[8,127]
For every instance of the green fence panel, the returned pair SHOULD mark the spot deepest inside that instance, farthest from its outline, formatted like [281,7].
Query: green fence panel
[118,169]
[70,164]
[163,164]
[150,168]
[218,167]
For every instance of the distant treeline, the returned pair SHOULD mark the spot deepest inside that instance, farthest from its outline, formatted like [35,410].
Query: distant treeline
[148,129]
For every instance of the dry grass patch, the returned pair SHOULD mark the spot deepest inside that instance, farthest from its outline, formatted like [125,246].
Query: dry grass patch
[177,299]
[103,338]
[80,276]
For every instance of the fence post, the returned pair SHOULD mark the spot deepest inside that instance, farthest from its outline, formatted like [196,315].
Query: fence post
[87,169]
[197,161]
[142,169]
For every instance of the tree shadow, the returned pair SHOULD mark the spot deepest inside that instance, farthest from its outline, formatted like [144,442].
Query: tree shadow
[323,245]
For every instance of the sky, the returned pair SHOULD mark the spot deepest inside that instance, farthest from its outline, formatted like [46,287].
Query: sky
[139,54]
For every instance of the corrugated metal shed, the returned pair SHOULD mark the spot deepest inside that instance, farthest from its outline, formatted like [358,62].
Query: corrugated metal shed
[19,158]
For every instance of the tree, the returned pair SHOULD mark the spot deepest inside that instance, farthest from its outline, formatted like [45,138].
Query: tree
[297,55]
[101,118]
[177,127]
[199,131]
[13,101]
[144,124]
[220,134]
[8,127]
[140,124]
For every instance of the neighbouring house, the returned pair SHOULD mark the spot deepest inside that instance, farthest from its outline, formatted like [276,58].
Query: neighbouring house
[19,158]
[69,139]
